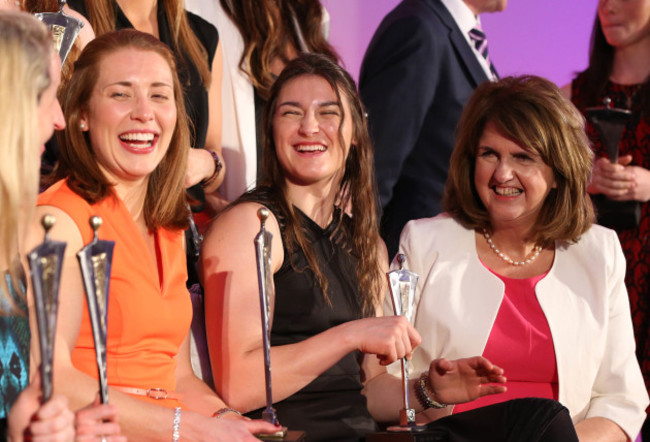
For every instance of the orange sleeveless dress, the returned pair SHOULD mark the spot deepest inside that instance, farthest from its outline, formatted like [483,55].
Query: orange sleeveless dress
[148,318]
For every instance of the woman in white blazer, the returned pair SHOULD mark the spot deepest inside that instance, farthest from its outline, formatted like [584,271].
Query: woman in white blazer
[516,271]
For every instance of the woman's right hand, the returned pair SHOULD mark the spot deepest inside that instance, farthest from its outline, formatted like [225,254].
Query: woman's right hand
[52,421]
[389,337]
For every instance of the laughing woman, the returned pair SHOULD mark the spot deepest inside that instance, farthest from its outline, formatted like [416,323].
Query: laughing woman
[124,159]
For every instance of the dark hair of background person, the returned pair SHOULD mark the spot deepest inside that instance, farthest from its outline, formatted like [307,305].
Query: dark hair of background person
[267,34]
[165,204]
[532,112]
[356,191]
[601,62]
[101,15]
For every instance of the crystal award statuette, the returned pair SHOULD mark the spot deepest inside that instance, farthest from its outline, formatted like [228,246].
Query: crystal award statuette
[610,122]
[263,254]
[63,27]
[95,260]
[402,284]
[45,263]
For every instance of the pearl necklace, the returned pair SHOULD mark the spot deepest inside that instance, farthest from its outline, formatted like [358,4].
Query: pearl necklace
[527,260]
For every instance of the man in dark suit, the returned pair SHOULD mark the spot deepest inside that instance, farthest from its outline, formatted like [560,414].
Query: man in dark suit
[418,72]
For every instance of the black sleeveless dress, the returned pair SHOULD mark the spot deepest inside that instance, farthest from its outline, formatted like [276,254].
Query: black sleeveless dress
[331,407]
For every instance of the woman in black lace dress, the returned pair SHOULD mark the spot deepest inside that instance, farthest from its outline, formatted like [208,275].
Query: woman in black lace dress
[619,69]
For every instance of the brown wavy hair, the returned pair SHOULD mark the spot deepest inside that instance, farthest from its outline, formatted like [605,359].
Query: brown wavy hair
[357,189]
[78,162]
[101,15]
[267,34]
[533,112]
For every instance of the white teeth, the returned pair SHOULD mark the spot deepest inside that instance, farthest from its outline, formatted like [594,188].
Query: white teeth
[507,191]
[311,148]
[137,136]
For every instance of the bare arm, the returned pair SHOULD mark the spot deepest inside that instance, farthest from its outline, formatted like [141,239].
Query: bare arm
[139,420]
[234,327]
[200,163]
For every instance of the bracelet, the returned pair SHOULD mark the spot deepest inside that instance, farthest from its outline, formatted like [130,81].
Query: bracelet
[176,432]
[220,412]
[421,394]
[218,165]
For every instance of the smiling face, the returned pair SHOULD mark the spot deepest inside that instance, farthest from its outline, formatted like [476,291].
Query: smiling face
[131,114]
[306,123]
[625,22]
[50,115]
[512,181]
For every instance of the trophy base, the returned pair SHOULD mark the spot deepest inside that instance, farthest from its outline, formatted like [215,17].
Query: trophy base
[408,436]
[283,435]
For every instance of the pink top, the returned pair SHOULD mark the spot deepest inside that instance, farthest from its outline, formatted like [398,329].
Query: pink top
[520,342]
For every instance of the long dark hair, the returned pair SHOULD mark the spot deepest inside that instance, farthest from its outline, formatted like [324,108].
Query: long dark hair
[267,35]
[601,63]
[357,189]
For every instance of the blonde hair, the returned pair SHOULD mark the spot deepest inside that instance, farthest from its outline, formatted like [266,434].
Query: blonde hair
[25,50]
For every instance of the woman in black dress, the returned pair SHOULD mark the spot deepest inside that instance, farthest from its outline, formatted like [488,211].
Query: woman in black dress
[328,266]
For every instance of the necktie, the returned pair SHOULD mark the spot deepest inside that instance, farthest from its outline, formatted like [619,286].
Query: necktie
[477,35]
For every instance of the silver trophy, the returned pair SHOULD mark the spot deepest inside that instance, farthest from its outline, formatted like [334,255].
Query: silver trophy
[63,27]
[95,260]
[263,242]
[402,285]
[45,263]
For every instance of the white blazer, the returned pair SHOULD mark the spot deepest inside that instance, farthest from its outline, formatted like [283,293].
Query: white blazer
[238,137]
[583,297]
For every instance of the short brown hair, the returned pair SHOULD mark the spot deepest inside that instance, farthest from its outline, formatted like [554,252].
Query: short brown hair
[165,204]
[531,111]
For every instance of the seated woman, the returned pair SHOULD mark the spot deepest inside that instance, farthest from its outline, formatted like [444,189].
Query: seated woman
[29,77]
[518,258]
[124,159]
[328,274]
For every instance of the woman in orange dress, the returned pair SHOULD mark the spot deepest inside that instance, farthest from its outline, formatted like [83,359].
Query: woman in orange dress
[124,158]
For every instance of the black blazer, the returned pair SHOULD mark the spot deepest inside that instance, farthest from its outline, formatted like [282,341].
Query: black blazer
[416,76]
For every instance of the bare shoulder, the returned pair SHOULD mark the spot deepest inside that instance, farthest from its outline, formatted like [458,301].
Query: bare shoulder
[87,33]
[234,231]
[64,228]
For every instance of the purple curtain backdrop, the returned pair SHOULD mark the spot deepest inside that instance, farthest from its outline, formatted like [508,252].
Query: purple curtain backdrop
[549,38]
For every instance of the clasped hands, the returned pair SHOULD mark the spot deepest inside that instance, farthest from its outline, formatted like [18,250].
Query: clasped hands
[620,181]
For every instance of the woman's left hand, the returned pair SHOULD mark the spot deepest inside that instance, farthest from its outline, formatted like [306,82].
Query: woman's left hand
[464,380]
[98,422]
[200,166]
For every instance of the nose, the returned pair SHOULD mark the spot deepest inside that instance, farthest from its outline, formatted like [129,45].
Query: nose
[309,124]
[606,6]
[58,120]
[142,111]
[504,171]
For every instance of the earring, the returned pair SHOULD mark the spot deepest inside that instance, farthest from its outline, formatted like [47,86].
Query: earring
[82,126]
